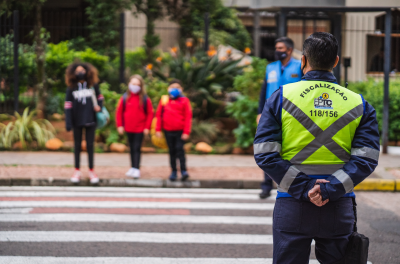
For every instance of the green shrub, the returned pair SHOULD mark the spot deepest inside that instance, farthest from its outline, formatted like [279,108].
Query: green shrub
[205,80]
[155,89]
[244,110]
[204,131]
[25,129]
[250,82]
[372,92]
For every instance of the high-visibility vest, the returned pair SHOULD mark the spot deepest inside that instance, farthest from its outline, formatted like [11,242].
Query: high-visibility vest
[319,120]
[275,78]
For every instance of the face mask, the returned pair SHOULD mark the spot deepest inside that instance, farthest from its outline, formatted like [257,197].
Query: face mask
[80,76]
[134,88]
[280,55]
[174,93]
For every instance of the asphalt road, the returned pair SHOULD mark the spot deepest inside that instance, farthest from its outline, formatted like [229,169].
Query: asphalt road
[150,226]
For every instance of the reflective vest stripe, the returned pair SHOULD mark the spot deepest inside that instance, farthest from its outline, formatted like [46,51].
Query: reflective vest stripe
[288,178]
[300,116]
[319,169]
[324,137]
[267,147]
[366,152]
[345,179]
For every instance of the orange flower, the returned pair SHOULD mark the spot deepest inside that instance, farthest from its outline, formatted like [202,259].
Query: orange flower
[211,53]
[149,67]
[189,43]
[159,59]
[228,52]
[212,47]
[223,58]
[247,50]
[174,49]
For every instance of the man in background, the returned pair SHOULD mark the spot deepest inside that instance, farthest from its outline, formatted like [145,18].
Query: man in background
[283,71]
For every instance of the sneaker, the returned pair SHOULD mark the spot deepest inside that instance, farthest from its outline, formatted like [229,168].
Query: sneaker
[265,194]
[93,177]
[173,176]
[76,177]
[134,173]
[130,172]
[185,175]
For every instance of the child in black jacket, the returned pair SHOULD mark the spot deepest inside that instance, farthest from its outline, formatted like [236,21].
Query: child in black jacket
[80,111]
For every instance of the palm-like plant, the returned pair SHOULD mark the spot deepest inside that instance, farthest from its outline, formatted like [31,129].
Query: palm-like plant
[26,129]
[205,79]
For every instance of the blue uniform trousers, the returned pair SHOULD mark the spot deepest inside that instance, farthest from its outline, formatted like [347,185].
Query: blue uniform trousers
[296,223]
[266,185]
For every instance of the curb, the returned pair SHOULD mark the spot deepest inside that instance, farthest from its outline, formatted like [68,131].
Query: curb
[155,183]
[385,185]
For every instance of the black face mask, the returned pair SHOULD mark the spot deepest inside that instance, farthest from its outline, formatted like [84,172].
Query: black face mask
[80,76]
[280,55]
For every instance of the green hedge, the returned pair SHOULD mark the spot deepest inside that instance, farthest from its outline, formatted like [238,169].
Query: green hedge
[372,92]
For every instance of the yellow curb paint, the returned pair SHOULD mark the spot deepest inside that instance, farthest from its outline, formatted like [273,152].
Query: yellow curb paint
[397,185]
[377,185]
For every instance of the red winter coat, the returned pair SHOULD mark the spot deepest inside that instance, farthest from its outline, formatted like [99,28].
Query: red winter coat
[135,119]
[177,115]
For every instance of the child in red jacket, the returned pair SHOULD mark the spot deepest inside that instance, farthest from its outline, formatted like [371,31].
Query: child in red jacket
[134,115]
[175,119]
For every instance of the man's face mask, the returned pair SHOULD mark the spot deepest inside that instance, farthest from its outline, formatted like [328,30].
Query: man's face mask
[174,93]
[280,55]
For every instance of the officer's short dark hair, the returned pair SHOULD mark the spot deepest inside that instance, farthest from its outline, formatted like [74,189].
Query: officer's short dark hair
[321,50]
[287,41]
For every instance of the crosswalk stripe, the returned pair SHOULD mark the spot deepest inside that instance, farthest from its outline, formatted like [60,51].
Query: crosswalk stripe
[141,237]
[110,204]
[237,196]
[165,219]
[125,260]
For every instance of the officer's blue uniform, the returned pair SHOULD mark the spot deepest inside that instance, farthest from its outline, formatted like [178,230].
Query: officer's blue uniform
[330,225]
[276,76]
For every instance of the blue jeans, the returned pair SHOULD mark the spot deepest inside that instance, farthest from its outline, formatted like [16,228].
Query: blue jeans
[266,185]
[296,223]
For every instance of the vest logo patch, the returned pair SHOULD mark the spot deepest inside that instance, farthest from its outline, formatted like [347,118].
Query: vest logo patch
[323,102]
[272,77]
[294,75]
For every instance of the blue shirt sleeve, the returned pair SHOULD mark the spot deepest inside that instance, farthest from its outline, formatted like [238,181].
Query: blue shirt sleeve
[267,148]
[363,161]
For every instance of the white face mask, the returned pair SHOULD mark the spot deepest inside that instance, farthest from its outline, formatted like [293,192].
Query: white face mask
[134,88]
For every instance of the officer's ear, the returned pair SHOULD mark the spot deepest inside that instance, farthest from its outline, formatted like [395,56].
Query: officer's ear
[336,61]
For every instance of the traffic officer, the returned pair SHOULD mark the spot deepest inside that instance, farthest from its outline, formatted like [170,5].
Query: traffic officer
[317,140]
[283,71]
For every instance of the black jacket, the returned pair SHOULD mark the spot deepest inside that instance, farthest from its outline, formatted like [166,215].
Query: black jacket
[79,106]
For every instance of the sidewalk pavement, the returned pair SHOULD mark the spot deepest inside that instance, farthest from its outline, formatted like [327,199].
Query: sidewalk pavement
[208,171]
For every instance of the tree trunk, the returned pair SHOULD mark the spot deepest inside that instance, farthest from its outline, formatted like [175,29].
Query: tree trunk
[40,62]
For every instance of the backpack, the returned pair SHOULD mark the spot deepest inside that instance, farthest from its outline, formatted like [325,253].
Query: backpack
[124,98]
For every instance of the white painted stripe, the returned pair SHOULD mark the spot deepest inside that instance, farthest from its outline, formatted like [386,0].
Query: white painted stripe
[152,205]
[140,237]
[126,189]
[15,211]
[134,195]
[127,260]
[115,218]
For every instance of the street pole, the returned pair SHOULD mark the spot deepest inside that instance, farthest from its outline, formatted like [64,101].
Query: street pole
[16,63]
[386,69]
[206,33]
[256,33]
[122,49]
